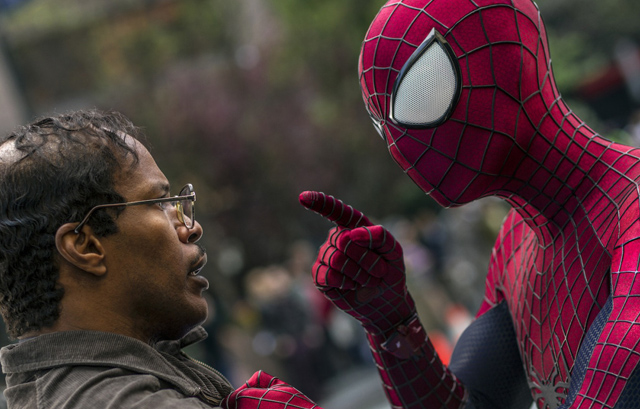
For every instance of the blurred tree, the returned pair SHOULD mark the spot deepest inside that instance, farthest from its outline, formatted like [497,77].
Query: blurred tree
[584,36]
[255,100]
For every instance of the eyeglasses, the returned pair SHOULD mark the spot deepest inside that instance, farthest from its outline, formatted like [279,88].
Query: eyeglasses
[184,204]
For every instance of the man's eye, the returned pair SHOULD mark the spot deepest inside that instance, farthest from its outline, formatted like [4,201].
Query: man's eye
[165,205]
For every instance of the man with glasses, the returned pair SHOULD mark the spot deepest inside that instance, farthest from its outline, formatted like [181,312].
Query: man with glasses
[99,276]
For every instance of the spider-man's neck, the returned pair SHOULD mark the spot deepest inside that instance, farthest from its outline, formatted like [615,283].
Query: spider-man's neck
[570,178]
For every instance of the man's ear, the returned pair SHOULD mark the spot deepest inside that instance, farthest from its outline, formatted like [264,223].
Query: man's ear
[84,249]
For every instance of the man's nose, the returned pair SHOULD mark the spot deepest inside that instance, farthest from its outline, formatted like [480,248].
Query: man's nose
[186,235]
[191,235]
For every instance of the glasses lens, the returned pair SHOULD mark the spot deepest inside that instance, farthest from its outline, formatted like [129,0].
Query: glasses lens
[186,208]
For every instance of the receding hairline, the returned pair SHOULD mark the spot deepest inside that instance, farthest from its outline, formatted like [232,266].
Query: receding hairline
[9,153]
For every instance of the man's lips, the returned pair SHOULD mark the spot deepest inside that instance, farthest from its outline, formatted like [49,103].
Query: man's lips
[200,282]
[197,267]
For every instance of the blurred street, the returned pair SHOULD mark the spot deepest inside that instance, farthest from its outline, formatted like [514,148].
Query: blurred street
[360,389]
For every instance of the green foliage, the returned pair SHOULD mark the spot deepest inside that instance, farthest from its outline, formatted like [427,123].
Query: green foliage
[251,136]
[324,36]
[583,35]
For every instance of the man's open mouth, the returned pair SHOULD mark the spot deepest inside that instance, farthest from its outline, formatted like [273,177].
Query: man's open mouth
[196,271]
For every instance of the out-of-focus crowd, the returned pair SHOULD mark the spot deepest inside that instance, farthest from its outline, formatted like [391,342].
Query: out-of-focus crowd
[284,325]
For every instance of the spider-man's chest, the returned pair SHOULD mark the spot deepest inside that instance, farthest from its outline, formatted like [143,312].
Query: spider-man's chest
[554,294]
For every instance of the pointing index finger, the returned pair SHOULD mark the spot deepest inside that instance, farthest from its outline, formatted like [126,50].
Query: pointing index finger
[333,209]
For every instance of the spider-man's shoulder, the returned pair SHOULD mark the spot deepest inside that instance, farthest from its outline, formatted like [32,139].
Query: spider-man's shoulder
[512,234]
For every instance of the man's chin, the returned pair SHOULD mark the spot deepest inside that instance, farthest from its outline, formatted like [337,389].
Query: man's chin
[196,319]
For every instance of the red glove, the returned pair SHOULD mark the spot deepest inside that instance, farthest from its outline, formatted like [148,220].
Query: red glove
[263,391]
[360,267]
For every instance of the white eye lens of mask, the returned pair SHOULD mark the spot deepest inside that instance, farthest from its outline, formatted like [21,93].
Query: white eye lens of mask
[428,87]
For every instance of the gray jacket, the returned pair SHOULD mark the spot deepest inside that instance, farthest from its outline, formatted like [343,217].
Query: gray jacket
[86,369]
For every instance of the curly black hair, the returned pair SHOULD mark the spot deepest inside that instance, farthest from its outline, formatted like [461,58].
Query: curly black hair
[52,172]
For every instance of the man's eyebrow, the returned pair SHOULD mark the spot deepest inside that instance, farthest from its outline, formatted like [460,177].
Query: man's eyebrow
[162,187]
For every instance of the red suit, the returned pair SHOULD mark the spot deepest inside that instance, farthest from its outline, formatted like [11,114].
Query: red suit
[463,94]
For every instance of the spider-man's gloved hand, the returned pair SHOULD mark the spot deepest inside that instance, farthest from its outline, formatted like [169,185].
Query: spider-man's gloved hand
[360,268]
[263,391]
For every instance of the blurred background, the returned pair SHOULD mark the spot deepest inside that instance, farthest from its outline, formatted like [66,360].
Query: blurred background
[255,101]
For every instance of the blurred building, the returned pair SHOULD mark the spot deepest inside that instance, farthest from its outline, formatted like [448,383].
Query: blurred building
[12,105]
[613,92]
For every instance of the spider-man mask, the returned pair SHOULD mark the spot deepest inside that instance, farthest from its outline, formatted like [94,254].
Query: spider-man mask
[458,89]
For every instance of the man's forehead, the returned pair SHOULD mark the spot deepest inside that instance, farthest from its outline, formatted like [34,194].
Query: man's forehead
[141,178]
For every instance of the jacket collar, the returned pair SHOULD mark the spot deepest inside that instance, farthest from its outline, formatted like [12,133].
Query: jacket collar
[95,348]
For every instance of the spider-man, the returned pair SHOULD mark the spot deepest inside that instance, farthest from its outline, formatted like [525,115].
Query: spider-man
[463,94]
